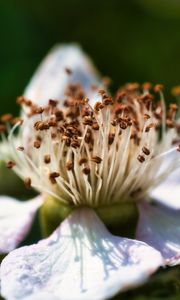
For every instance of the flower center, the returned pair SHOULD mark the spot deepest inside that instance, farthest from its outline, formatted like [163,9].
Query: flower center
[96,156]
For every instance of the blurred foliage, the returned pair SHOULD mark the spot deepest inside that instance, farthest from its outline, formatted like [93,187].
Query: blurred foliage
[131,40]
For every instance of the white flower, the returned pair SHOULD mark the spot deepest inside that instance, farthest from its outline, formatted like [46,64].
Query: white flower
[92,157]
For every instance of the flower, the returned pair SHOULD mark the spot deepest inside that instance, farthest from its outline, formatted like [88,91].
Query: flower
[94,162]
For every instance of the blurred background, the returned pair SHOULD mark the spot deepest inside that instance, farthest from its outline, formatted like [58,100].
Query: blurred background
[135,40]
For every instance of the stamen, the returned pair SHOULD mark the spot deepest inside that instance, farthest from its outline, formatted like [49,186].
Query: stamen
[95,151]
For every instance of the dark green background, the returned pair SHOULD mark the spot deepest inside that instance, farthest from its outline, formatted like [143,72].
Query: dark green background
[128,40]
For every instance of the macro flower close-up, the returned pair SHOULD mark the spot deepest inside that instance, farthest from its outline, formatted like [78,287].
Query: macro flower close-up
[106,171]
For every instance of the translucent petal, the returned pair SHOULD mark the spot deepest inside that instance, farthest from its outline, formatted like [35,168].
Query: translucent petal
[80,260]
[160,228]
[50,80]
[168,193]
[16,218]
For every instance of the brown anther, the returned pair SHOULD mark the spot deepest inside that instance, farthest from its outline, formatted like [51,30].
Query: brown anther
[145,150]
[96,159]
[75,144]
[2,128]
[101,92]
[146,117]
[123,125]
[38,125]
[88,120]
[98,106]
[82,160]
[158,88]
[176,91]
[147,86]
[86,170]
[37,144]
[17,120]
[39,110]
[10,164]
[106,81]
[53,135]
[67,140]
[20,100]
[47,158]
[59,114]
[113,123]
[132,87]
[20,148]
[175,141]
[146,98]
[53,176]
[108,101]
[152,125]
[69,165]
[111,138]
[27,182]
[173,106]
[170,123]
[95,126]
[53,103]
[68,71]
[52,123]
[120,96]
[6,118]
[141,158]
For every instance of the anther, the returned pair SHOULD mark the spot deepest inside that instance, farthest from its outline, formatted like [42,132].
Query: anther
[27,182]
[10,164]
[145,150]
[82,160]
[147,86]
[53,103]
[95,126]
[111,138]
[96,159]
[37,144]
[86,170]
[2,128]
[53,176]
[47,158]
[158,88]
[141,158]
[6,118]
[39,110]
[68,71]
[69,165]
[146,117]
[20,148]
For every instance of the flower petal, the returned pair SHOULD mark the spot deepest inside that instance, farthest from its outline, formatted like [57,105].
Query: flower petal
[50,80]
[16,218]
[160,228]
[80,260]
[168,193]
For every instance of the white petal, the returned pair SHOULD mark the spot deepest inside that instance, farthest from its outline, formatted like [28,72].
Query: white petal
[16,218]
[50,80]
[160,228]
[168,193]
[80,260]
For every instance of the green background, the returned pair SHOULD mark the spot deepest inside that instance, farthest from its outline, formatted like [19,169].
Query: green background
[135,40]
[128,40]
